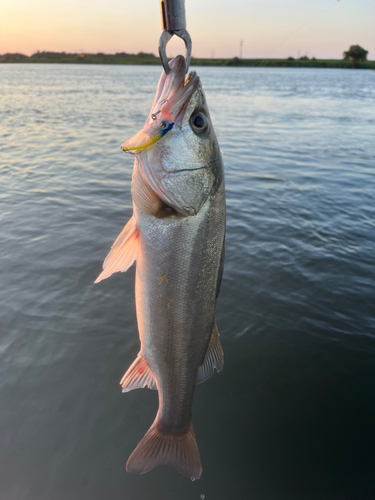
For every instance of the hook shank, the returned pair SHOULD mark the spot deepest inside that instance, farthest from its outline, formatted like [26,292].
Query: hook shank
[173,20]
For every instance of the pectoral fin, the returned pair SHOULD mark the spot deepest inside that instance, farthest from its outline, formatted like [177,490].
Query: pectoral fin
[138,376]
[123,252]
[214,358]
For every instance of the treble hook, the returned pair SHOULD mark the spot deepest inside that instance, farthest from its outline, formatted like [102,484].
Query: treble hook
[155,115]
[173,20]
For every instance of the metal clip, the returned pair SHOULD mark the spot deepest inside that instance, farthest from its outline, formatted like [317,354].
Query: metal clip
[173,20]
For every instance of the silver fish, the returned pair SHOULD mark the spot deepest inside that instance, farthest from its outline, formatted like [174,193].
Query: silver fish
[176,237]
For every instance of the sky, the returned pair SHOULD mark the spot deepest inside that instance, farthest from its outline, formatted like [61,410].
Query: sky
[268,28]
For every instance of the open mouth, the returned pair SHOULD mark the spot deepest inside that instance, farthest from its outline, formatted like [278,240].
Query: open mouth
[176,91]
[172,96]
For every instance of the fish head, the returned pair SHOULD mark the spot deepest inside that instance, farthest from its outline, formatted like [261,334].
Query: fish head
[192,143]
[171,95]
[183,164]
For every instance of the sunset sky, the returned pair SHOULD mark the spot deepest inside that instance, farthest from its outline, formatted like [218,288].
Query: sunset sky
[269,28]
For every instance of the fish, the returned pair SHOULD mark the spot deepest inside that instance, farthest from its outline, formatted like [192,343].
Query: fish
[176,237]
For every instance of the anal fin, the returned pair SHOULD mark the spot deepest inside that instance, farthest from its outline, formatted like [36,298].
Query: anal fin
[123,252]
[214,358]
[138,376]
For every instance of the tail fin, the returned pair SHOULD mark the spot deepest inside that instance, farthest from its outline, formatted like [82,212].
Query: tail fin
[158,448]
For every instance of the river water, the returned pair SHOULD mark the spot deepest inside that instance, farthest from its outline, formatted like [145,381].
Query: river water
[292,414]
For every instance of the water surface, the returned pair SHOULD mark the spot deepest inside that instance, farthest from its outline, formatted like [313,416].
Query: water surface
[292,414]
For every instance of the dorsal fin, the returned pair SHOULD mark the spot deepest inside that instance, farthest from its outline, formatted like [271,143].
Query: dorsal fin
[221,269]
[214,358]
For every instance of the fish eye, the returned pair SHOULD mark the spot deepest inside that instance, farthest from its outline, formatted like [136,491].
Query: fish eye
[199,122]
[164,124]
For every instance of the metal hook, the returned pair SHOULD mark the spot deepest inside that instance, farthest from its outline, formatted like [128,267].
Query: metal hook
[154,115]
[164,39]
[174,23]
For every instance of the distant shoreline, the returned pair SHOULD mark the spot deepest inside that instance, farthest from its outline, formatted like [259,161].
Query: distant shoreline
[149,59]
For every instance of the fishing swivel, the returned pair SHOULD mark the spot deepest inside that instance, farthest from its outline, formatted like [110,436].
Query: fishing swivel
[173,20]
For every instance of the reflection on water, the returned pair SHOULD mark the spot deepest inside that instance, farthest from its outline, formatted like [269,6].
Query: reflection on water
[291,415]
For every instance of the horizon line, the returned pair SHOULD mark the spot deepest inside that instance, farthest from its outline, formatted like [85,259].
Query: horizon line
[151,54]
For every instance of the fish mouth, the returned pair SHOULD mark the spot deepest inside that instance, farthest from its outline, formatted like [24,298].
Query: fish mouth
[172,96]
[175,90]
